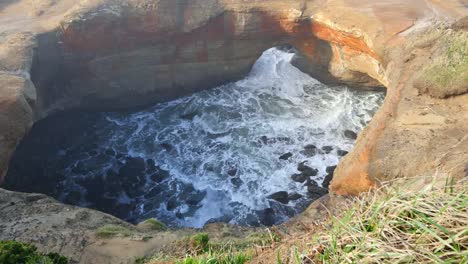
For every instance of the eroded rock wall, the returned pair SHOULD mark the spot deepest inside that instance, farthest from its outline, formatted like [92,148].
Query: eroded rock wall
[124,54]
[115,54]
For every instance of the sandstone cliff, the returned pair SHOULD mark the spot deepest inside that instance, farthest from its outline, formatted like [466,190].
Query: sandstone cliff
[116,54]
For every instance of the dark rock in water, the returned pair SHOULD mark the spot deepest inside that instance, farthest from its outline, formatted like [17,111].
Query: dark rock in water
[189,213]
[151,205]
[330,169]
[266,140]
[168,147]
[123,211]
[281,139]
[154,192]
[299,177]
[294,196]
[217,135]
[110,152]
[172,203]
[267,217]
[281,196]
[150,165]
[92,153]
[164,173]
[327,149]
[236,182]
[341,152]
[73,197]
[113,182]
[159,174]
[314,191]
[191,196]
[133,166]
[232,172]
[350,134]
[306,170]
[79,168]
[309,150]
[189,116]
[311,183]
[195,198]
[286,156]
[329,177]
[132,176]
[94,187]
[157,177]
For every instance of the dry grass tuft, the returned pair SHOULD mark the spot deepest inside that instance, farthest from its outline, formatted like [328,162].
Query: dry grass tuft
[390,225]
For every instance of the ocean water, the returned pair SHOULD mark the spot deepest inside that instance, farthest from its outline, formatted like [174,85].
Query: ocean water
[211,156]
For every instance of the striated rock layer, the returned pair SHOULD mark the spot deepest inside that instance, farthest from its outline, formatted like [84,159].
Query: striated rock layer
[116,54]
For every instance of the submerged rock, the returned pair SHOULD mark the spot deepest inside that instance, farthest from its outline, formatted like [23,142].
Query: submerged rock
[327,149]
[286,156]
[306,170]
[341,152]
[329,177]
[266,140]
[168,147]
[350,134]
[267,217]
[294,196]
[236,181]
[299,177]
[232,172]
[281,196]
[189,116]
[172,203]
[309,150]
[314,191]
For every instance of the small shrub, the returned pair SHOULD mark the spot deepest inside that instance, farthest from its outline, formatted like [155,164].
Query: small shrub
[199,242]
[155,224]
[13,252]
[109,231]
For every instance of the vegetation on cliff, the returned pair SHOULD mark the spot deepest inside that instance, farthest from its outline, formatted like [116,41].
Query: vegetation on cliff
[393,225]
[13,252]
[199,249]
[447,75]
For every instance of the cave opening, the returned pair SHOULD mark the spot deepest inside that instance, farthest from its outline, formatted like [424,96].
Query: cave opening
[253,152]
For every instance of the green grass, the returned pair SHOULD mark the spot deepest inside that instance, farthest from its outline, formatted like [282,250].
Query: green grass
[448,73]
[13,252]
[109,231]
[200,242]
[155,224]
[232,258]
[395,226]
[199,248]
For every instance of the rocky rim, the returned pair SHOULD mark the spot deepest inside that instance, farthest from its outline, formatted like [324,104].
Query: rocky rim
[57,55]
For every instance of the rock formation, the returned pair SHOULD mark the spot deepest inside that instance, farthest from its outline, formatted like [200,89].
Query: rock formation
[116,54]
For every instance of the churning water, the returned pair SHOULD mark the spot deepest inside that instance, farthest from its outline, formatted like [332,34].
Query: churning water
[211,156]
